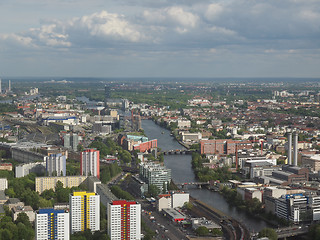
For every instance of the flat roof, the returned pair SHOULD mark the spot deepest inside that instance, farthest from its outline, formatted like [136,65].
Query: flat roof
[174,213]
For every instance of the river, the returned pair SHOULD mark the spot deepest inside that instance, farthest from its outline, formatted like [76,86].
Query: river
[180,166]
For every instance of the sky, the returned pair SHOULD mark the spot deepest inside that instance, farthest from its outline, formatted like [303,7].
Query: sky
[163,38]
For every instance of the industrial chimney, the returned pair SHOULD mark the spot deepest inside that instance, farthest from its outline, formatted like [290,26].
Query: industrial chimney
[295,148]
[289,146]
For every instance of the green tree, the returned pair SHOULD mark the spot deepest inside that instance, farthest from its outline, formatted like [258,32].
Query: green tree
[202,231]
[268,232]
[164,188]
[24,232]
[188,205]
[80,148]
[153,190]
[6,234]
[314,232]
[23,218]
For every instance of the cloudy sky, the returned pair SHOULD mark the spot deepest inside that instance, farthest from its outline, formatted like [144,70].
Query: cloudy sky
[163,38]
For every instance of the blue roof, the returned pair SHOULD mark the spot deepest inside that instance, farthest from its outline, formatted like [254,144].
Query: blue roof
[49,211]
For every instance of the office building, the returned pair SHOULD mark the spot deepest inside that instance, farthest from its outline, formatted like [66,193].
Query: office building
[154,174]
[90,163]
[56,165]
[84,211]
[124,220]
[52,224]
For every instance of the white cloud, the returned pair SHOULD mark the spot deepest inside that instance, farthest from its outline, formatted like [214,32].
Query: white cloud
[182,17]
[213,11]
[107,25]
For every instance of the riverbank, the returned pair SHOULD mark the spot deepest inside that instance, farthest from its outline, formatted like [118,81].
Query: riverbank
[232,229]
[172,134]
[181,168]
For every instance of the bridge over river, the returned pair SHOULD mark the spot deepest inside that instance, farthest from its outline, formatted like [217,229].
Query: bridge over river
[287,232]
[179,151]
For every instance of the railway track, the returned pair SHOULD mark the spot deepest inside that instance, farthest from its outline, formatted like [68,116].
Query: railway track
[232,229]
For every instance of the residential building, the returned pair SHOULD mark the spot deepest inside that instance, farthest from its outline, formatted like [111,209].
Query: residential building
[71,141]
[124,220]
[179,199]
[3,184]
[312,162]
[23,209]
[52,224]
[84,211]
[6,166]
[191,137]
[56,165]
[146,146]
[172,200]
[164,201]
[90,163]
[184,123]
[24,169]
[45,183]
[223,146]
[14,202]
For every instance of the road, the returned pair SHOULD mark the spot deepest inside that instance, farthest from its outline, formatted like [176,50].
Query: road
[292,231]
[165,228]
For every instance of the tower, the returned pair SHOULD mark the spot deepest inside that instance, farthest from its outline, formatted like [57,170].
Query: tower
[90,163]
[9,89]
[52,224]
[0,86]
[124,220]
[84,211]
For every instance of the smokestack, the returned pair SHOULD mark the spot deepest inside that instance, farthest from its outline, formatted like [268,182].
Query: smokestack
[289,147]
[295,148]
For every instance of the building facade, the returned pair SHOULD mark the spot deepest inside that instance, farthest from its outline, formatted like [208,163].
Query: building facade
[45,183]
[84,211]
[52,224]
[124,220]
[154,174]
[56,165]
[90,163]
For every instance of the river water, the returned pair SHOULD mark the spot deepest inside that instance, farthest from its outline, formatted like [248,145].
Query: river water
[182,172]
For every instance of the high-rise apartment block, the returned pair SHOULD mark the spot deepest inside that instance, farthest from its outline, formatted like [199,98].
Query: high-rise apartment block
[56,165]
[124,220]
[71,141]
[90,163]
[84,211]
[52,224]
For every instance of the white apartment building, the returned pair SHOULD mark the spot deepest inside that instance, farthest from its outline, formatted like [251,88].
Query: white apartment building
[52,224]
[56,164]
[124,220]
[84,211]
[3,184]
[90,163]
